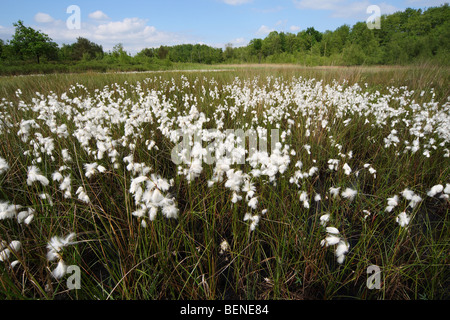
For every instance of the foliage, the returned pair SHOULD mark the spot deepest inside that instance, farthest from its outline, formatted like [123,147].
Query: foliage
[413,36]
[28,42]
[82,49]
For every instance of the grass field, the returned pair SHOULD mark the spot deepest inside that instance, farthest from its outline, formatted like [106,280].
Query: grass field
[142,182]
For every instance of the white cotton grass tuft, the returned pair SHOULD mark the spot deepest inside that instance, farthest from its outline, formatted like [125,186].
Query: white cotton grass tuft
[392,203]
[224,247]
[56,244]
[304,199]
[371,170]
[332,230]
[335,191]
[253,203]
[57,176]
[347,169]
[92,168]
[408,194]
[26,216]
[367,214]
[152,212]
[413,198]
[446,192]
[6,250]
[324,219]
[414,201]
[330,240]
[149,197]
[34,175]
[447,188]
[54,252]
[403,219]
[341,249]
[249,188]
[66,156]
[349,193]
[60,270]
[66,186]
[46,196]
[254,220]
[435,190]
[4,254]
[235,197]
[82,196]
[8,210]
[170,211]
[333,164]
[15,245]
[4,166]
[333,238]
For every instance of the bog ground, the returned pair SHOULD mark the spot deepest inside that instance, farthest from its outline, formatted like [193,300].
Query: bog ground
[248,182]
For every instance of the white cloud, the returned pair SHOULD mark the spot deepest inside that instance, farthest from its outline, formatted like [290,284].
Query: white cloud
[317,4]
[98,15]
[387,8]
[355,9]
[294,28]
[426,3]
[43,18]
[127,25]
[264,30]
[239,42]
[6,32]
[344,8]
[134,33]
[236,2]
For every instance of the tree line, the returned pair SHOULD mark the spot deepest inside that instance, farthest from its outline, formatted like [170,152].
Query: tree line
[405,37]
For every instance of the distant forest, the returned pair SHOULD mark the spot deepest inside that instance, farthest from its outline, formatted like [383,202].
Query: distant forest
[406,37]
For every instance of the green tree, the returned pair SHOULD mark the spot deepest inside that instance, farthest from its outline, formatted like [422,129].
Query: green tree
[229,52]
[308,38]
[315,35]
[339,38]
[147,52]
[292,45]
[65,52]
[243,54]
[120,54]
[163,52]
[326,43]
[353,55]
[272,44]
[2,45]
[86,49]
[28,42]
[256,48]
[363,40]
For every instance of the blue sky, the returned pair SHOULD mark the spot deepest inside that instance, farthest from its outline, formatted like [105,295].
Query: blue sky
[138,24]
